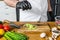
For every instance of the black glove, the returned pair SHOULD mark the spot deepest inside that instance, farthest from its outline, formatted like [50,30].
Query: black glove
[25,5]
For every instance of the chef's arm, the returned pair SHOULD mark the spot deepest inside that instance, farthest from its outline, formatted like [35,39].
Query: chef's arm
[11,3]
[49,6]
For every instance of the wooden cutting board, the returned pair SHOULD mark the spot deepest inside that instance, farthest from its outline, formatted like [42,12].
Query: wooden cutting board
[40,27]
[34,34]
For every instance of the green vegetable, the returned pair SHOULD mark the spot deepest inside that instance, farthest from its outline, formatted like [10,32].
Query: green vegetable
[11,35]
[15,36]
[7,37]
[30,26]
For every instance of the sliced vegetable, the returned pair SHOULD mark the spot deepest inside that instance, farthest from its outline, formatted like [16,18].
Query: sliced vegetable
[30,26]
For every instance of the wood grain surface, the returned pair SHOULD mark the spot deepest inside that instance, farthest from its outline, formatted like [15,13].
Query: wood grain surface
[36,35]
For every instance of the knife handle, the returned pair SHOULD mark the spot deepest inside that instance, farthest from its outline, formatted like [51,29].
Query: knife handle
[17,14]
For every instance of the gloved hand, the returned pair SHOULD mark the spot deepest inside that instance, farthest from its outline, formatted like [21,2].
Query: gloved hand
[24,5]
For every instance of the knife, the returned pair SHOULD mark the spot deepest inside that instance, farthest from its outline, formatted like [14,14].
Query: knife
[14,25]
[11,24]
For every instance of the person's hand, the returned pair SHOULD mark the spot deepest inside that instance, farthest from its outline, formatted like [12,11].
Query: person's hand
[24,5]
[50,9]
[49,6]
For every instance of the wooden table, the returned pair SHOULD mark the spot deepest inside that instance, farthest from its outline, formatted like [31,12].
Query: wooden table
[36,35]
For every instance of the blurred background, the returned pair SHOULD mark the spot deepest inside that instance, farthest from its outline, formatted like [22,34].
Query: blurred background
[55,4]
